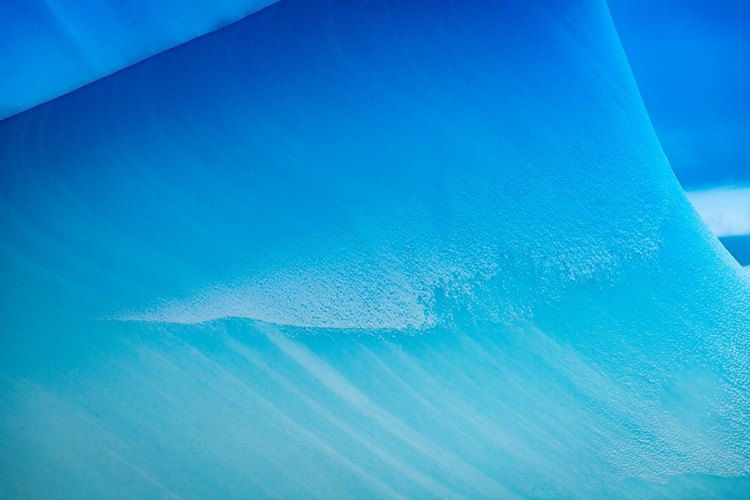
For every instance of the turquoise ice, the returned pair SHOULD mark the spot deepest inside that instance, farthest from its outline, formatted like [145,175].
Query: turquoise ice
[366,249]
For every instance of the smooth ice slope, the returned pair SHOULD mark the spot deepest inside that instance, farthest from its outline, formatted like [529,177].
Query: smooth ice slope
[366,249]
[50,47]
[691,60]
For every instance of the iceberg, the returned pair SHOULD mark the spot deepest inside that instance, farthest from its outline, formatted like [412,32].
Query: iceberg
[366,249]
[691,62]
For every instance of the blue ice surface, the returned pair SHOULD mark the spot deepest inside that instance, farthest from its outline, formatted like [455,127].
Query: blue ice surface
[366,249]
[691,60]
[50,47]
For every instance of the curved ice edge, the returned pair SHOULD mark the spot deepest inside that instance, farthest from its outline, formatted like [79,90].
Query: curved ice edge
[8,110]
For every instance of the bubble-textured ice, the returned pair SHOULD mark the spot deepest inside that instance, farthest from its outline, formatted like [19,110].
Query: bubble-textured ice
[366,249]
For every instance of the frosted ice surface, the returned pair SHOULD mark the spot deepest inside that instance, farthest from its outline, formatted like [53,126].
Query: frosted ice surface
[366,249]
